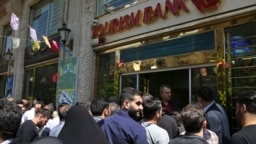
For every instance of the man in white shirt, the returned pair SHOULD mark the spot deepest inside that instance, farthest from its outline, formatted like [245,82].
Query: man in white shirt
[62,111]
[152,112]
[30,114]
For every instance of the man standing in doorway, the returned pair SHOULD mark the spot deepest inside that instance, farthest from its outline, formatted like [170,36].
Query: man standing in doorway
[167,103]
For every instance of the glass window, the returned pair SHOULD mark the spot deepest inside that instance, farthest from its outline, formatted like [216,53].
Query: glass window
[40,84]
[129,81]
[7,43]
[187,44]
[108,81]
[106,6]
[46,17]
[2,85]
[29,79]
[241,55]
[203,76]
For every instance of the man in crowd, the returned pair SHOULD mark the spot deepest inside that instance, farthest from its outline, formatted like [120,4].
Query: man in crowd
[113,104]
[122,127]
[166,122]
[216,116]
[30,114]
[168,104]
[10,117]
[246,115]
[62,111]
[152,112]
[194,123]
[99,109]
[28,131]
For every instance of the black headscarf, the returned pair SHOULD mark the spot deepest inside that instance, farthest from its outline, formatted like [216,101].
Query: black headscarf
[80,128]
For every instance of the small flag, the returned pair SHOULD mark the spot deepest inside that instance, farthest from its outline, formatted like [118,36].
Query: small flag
[33,34]
[36,46]
[15,42]
[55,46]
[14,22]
[46,40]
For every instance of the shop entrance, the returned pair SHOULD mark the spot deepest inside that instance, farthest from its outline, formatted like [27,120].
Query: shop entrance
[183,82]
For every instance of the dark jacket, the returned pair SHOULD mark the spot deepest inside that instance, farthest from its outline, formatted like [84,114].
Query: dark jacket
[217,121]
[188,139]
[120,128]
[169,124]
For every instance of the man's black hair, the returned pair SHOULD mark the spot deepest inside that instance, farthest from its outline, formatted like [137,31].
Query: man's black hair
[206,94]
[97,106]
[150,107]
[247,98]
[128,94]
[10,118]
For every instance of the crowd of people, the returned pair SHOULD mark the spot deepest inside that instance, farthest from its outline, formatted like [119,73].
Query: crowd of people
[133,117]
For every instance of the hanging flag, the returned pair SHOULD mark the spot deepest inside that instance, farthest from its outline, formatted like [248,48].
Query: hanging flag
[36,46]
[33,34]
[46,40]
[55,46]
[14,22]
[15,42]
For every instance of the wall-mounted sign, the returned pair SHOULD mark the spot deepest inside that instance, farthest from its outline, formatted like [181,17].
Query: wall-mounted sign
[67,80]
[149,15]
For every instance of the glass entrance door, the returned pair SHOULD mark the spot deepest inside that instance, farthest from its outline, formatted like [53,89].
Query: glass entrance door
[183,82]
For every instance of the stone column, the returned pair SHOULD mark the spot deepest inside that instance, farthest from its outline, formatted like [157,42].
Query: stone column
[85,51]
[19,53]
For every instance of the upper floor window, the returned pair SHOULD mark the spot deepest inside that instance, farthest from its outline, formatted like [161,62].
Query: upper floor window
[7,41]
[46,17]
[106,6]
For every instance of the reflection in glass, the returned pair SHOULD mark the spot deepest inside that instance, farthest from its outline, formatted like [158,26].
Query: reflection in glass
[204,76]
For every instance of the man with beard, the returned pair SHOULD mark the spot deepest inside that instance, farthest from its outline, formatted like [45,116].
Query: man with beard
[29,130]
[246,115]
[122,127]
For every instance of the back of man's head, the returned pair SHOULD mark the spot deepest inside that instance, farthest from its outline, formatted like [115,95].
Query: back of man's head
[128,94]
[247,98]
[192,118]
[147,96]
[150,108]
[10,118]
[97,107]
[206,94]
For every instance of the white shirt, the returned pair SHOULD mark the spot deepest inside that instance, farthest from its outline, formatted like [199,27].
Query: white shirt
[56,130]
[28,115]
[52,122]
[155,134]
[7,141]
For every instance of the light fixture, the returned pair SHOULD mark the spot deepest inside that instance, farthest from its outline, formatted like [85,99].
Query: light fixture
[154,66]
[64,33]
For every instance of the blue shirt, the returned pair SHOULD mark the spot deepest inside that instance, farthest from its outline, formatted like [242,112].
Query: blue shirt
[120,128]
